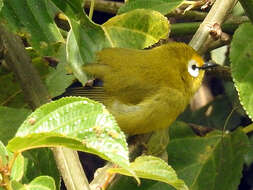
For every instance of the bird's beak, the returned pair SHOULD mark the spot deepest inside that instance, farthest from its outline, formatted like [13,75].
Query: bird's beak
[208,65]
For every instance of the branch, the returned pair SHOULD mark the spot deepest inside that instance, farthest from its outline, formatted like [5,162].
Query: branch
[202,39]
[216,15]
[69,163]
[36,94]
[182,29]
[20,63]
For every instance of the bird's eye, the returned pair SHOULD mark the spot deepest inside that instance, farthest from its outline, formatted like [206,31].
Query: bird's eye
[193,68]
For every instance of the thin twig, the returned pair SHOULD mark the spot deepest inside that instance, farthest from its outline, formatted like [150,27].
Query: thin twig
[92,4]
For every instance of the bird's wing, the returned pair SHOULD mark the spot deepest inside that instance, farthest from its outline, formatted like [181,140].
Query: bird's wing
[126,75]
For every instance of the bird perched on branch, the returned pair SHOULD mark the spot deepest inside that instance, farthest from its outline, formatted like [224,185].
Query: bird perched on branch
[146,90]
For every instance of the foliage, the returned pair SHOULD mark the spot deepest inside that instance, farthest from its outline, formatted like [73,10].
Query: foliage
[73,122]
[60,39]
[242,59]
[150,167]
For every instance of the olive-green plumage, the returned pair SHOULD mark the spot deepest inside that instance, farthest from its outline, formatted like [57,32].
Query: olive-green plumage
[146,89]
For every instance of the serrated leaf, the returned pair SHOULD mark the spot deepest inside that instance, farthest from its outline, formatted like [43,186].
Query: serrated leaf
[34,20]
[73,122]
[162,6]
[150,167]
[126,30]
[241,57]
[136,29]
[10,120]
[211,162]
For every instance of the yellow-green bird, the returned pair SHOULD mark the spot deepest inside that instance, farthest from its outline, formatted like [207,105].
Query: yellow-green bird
[146,90]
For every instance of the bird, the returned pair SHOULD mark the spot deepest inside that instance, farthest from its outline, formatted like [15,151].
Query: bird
[145,90]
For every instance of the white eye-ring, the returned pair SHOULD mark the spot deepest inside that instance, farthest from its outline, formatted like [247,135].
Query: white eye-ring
[193,68]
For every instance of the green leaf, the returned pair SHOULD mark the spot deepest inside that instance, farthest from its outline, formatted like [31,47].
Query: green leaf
[126,183]
[17,186]
[17,170]
[34,20]
[154,168]
[162,6]
[83,41]
[73,122]
[18,166]
[42,183]
[211,162]
[58,79]
[40,162]
[136,29]
[39,183]
[241,57]
[218,55]
[10,120]
[238,10]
